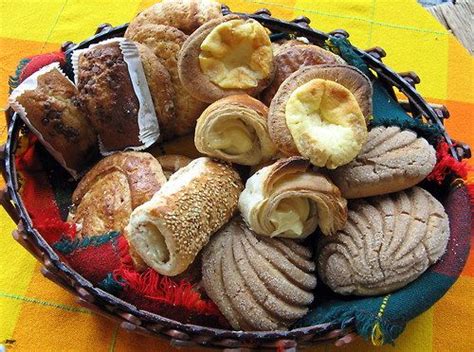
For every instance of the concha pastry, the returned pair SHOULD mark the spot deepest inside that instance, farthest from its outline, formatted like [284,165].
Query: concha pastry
[161,90]
[186,15]
[227,56]
[390,161]
[319,112]
[106,196]
[258,283]
[169,230]
[235,129]
[287,199]
[166,42]
[387,243]
[291,57]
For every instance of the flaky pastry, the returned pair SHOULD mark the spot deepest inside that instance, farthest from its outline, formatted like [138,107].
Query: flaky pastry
[235,129]
[287,199]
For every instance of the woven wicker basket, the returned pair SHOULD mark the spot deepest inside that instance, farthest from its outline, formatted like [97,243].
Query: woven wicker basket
[133,319]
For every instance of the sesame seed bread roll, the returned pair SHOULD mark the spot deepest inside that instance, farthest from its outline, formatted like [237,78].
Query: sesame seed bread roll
[235,129]
[288,199]
[169,230]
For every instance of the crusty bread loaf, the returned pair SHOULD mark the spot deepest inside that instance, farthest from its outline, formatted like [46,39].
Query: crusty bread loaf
[388,242]
[392,160]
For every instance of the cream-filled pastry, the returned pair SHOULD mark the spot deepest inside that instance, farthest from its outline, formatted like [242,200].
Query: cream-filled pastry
[225,57]
[169,230]
[287,199]
[316,115]
[235,129]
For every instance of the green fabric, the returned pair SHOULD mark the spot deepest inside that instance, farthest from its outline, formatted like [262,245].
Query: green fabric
[67,246]
[110,285]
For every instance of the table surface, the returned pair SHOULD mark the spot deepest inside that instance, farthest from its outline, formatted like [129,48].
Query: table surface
[37,315]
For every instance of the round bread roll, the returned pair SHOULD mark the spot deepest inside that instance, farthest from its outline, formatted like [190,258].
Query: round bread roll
[390,161]
[169,230]
[287,199]
[319,112]
[235,129]
[186,15]
[257,283]
[387,243]
[171,163]
[290,57]
[166,42]
[224,57]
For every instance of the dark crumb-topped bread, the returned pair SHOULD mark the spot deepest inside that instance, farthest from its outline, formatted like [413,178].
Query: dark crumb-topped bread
[53,109]
[107,92]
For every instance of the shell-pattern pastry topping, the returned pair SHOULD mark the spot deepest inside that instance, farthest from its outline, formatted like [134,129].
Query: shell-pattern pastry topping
[287,199]
[388,242]
[258,283]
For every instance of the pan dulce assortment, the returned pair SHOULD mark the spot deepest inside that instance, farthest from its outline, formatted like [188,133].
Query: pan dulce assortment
[290,184]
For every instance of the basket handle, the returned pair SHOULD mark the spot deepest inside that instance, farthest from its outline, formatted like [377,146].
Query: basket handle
[5,200]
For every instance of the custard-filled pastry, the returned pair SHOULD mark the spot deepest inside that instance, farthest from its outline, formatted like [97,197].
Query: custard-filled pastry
[319,112]
[392,160]
[169,230]
[227,56]
[235,129]
[287,199]
[258,283]
[185,15]
[105,197]
[290,57]
[387,243]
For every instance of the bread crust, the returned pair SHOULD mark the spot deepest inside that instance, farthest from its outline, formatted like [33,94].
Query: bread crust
[171,163]
[350,77]
[195,81]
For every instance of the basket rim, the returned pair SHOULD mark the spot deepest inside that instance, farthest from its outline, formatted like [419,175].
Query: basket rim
[114,304]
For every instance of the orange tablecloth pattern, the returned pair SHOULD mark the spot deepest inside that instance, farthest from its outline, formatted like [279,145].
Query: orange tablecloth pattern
[36,315]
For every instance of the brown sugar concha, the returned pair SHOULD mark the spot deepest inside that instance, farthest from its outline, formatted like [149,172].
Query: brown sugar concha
[185,15]
[257,283]
[390,161]
[169,230]
[387,243]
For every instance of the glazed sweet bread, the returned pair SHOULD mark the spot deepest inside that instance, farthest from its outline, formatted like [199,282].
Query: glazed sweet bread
[166,42]
[48,103]
[388,242]
[161,90]
[235,129]
[185,15]
[226,56]
[290,57]
[392,160]
[258,283]
[319,112]
[169,230]
[287,199]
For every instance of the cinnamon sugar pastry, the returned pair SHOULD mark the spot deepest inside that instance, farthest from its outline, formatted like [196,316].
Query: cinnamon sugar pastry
[388,242]
[319,112]
[169,230]
[105,197]
[258,283]
[166,42]
[235,129]
[390,161]
[291,57]
[186,15]
[225,57]
[287,199]
[161,90]
[172,163]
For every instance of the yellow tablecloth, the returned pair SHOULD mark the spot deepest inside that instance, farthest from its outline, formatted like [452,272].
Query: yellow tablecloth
[36,315]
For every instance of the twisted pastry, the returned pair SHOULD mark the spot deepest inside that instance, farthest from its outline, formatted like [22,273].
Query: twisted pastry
[288,200]
[258,283]
[169,230]
[388,242]
[235,129]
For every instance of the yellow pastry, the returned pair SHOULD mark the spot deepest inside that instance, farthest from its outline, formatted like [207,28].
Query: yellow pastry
[235,129]
[287,199]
